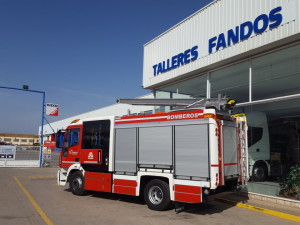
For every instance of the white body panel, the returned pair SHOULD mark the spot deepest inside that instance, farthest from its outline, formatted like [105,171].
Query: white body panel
[63,173]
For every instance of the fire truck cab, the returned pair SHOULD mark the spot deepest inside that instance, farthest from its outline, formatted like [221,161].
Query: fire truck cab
[180,156]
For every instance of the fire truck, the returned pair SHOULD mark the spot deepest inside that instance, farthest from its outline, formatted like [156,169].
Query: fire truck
[178,156]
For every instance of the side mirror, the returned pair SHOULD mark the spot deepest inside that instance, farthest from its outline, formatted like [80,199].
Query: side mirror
[59,137]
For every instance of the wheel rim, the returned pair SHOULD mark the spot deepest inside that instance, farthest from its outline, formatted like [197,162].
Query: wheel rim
[259,172]
[155,195]
[77,183]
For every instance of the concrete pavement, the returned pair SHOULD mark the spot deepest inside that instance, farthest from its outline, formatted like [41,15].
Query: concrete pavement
[62,207]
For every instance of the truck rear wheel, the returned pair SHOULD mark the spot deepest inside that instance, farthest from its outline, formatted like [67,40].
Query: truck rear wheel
[76,183]
[157,195]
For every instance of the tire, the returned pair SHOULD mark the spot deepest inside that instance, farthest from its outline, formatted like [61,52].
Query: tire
[259,172]
[157,195]
[76,184]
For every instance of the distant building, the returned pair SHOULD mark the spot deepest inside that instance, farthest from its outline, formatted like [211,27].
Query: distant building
[19,139]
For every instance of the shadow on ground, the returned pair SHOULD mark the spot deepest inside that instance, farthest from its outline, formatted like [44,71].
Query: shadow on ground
[211,206]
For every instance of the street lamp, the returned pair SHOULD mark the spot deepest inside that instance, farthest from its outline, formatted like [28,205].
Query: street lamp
[26,88]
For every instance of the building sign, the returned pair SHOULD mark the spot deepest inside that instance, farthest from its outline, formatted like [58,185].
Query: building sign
[214,42]
[7,152]
[51,109]
[180,59]
[49,144]
[245,30]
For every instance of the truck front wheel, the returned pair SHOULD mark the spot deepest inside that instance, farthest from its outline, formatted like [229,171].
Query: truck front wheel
[76,183]
[260,172]
[157,195]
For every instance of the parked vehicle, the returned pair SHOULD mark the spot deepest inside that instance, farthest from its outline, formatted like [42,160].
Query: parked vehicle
[180,156]
[259,146]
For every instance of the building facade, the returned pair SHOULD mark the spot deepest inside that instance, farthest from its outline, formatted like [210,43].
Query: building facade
[249,50]
[19,139]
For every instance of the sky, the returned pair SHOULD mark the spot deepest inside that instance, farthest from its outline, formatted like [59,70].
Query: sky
[83,53]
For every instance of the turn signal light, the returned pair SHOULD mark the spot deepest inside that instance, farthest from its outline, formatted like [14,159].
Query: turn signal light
[75,121]
[209,115]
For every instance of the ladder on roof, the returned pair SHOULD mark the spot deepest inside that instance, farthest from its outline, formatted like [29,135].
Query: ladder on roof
[241,120]
[222,103]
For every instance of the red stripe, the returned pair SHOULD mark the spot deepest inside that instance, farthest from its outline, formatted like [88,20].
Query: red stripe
[160,114]
[94,175]
[127,183]
[230,164]
[181,115]
[125,190]
[140,121]
[142,116]
[154,120]
[187,189]
[190,198]
[220,153]
[215,165]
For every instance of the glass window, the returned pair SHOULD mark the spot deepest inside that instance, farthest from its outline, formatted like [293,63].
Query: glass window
[59,138]
[192,88]
[276,74]
[254,135]
[71,138]
[160,95]
[232,81]
[96,134]
[74,137]
[274,147]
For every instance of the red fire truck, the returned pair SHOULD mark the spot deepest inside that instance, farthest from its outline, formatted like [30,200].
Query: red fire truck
[177,156]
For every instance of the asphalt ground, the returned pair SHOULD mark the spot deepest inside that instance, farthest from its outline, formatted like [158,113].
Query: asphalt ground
[31,196]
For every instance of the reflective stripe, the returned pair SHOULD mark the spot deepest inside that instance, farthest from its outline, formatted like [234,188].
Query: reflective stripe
[148,118]
[91,161]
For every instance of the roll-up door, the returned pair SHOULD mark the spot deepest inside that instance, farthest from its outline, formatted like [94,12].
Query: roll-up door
[192,151]
[155,147]
[125,157]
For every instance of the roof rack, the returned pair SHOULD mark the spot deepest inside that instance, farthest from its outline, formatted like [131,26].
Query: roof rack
[222,103]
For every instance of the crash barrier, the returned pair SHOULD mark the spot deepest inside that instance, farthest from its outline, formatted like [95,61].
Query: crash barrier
[19,156]
[27,156]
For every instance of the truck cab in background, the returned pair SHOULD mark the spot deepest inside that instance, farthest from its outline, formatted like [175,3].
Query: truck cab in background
[258,146]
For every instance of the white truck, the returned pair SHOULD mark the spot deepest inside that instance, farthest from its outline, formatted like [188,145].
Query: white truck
[259,146]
